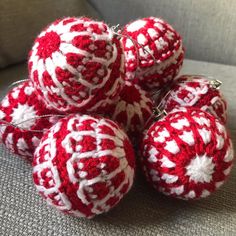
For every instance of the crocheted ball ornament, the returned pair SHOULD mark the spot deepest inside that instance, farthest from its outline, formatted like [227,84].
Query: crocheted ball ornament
[84,165]
[196,91]
[132,110]
[187,154]
[20,106]
[155,54]
[76,65]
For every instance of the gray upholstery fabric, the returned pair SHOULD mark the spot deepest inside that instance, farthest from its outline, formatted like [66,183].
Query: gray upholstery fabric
[10,75]
[207,26]
[21,21]
[141,212]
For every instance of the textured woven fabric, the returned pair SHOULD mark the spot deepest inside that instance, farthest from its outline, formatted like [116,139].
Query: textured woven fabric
[141,212]
[207,26]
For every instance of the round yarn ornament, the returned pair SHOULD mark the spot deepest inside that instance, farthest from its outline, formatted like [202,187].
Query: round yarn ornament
[133,110]
[21,126]
[187,154]
[77,65]
[153,52]
[196,91]
[84,165]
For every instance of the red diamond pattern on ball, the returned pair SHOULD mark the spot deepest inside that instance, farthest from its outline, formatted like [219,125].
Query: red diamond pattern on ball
[155,54]
[84,165]
[187,154]
[195,91]
[77,65]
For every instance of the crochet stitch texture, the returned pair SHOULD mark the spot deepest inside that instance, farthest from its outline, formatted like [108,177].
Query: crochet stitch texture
[20,107]
[195,91]
[76,65]
[132,110]
[84,165]
[155,54]
[187,154]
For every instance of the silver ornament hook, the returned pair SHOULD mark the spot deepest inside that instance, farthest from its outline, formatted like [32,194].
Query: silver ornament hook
[214,83]
[135,43]
[159,113]
[17,82]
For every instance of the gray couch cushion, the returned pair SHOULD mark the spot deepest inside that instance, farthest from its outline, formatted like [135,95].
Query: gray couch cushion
[10,75]
[207,26]
[21,21]
[141,212]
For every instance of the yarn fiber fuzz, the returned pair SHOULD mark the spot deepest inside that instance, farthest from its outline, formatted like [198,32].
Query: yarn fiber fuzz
[195,91]
[84,165]
[20,107]
[153,52]
[77,65]
[187,154]
[133,110]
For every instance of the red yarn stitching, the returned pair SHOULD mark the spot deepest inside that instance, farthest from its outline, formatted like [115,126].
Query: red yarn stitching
[93,166]
[155,149]
[48,44]
[85,62]
[182,94]
[14,99]
[162,47]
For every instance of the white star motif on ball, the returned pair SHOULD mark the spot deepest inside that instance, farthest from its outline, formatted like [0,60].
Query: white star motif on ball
[200,169]
[23,113]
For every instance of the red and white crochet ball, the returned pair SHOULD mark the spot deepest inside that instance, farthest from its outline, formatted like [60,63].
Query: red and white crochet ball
[76,65]
[133,110]
[84,165]
[155,54]
[20,107]
[187,154]
[195,91]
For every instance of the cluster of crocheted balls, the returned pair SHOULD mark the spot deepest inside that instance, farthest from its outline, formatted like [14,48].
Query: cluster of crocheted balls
[88,86]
